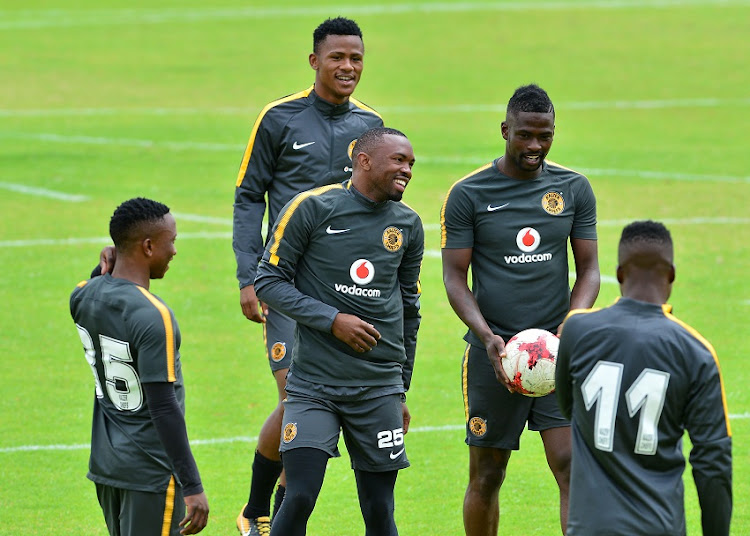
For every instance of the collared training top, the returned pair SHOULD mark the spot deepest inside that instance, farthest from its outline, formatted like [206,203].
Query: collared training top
[519,231]
[297,143]
[333,250]
[632,378]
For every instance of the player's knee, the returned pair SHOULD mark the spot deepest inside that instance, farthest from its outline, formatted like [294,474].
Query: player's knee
[488,481]
[299,505]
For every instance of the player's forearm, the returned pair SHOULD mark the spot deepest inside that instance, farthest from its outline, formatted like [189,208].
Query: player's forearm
[411,327]
[585,290]
[712,473]
[169,423]
[247,239]
[467,309]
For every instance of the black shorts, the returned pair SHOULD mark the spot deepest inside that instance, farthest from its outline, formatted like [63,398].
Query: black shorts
[278,335]
[494,417]
[140,513]
[373,429]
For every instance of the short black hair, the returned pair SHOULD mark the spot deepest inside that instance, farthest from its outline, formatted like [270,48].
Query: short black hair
[530,98]
[646,231]
[129,218]
[336,26]
[370,138]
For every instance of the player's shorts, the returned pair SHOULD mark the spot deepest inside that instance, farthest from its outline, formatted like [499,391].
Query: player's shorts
[495,418]
[373,429]
[135,513]
[278,334]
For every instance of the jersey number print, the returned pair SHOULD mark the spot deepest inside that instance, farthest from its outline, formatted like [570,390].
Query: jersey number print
[121,379]
[646,394]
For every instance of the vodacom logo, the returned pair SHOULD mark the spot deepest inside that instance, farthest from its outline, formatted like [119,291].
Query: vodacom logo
[362,271]
[528,239]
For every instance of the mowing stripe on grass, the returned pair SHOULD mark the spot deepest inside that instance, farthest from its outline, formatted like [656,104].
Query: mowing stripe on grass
[248,439]
[31,19]
[707,102]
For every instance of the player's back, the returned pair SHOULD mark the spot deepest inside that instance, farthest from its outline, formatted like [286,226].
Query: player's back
[639,378]
[129,337]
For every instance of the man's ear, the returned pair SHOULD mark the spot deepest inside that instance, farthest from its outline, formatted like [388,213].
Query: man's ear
[363,159]
[620,274]
[672,274]
[504,128]
[313,59]
[148,247]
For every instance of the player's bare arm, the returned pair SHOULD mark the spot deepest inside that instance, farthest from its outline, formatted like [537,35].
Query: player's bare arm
[407,416]
[196,514]
[252,308]
[588,279]
[361,336]
[455,278]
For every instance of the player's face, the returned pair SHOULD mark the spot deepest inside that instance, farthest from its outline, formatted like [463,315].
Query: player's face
[528,138]
[390,169]
[162,246]
[338,67]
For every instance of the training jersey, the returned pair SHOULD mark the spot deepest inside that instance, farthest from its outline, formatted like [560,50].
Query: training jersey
[632,378]
[130,338]
[518,230]
[297,143]
[334,250]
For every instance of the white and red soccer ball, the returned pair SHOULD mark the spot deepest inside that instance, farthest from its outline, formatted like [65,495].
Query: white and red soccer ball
[530,361]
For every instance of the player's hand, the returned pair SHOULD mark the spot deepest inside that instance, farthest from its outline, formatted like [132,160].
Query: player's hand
[107,259]
[406,415]
[361,336]
[496,353]
[196,514]
[252,308]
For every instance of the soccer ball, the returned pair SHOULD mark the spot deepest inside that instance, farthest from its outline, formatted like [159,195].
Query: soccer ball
[530,361]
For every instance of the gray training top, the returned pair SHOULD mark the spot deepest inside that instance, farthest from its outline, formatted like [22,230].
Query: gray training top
[298,142]
[333,250]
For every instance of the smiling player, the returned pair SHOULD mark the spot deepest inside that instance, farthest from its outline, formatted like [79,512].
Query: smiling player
[298,142]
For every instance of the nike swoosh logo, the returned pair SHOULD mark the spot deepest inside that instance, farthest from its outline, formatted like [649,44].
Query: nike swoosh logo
[297,146]
[490,208]
[335,231]
[395,455]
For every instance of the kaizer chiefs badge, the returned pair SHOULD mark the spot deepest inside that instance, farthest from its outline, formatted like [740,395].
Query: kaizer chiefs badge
[290,432]
[278,351]
[478,426]
[553,203]
[393,239]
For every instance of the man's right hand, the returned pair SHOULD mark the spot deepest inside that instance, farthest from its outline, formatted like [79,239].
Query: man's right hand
[252,308]
[196,514]
[496,353]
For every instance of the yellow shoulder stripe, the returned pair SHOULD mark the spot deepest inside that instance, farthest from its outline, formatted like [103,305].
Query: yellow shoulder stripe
[555,164]
[363,106]
[168,329]
[443,234]
[82,283]
[287,215]
[263,112]
[667,308]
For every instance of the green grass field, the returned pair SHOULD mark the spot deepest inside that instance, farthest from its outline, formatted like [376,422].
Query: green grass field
[103,101]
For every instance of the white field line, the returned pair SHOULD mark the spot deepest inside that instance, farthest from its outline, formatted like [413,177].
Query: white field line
[437,160]
[32,19]
[248,439]
[707,102]
[42,192]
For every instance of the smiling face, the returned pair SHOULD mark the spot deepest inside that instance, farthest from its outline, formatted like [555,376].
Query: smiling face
[162,246]
[528,138]
[383,173]
[338,65]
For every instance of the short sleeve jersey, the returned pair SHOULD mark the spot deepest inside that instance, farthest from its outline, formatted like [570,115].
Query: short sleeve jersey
[130,338]
[632,378]
[354,256]
[518,231]
[297,143]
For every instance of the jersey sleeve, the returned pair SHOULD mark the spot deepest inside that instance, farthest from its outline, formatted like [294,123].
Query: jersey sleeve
[154,331]
[408,276]
[563,387]
[255,175]
[707,423]
[584,221]
[457,219]
[274,282]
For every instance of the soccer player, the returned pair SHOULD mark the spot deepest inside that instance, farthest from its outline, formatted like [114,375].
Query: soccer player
[511,221]
[298,142]
[632,378]
[146,478]
[343,262]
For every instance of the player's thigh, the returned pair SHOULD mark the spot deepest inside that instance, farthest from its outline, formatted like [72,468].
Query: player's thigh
[310,422]
[374,433]
[278,334]
[495,418]
[545,413]
[140,513]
